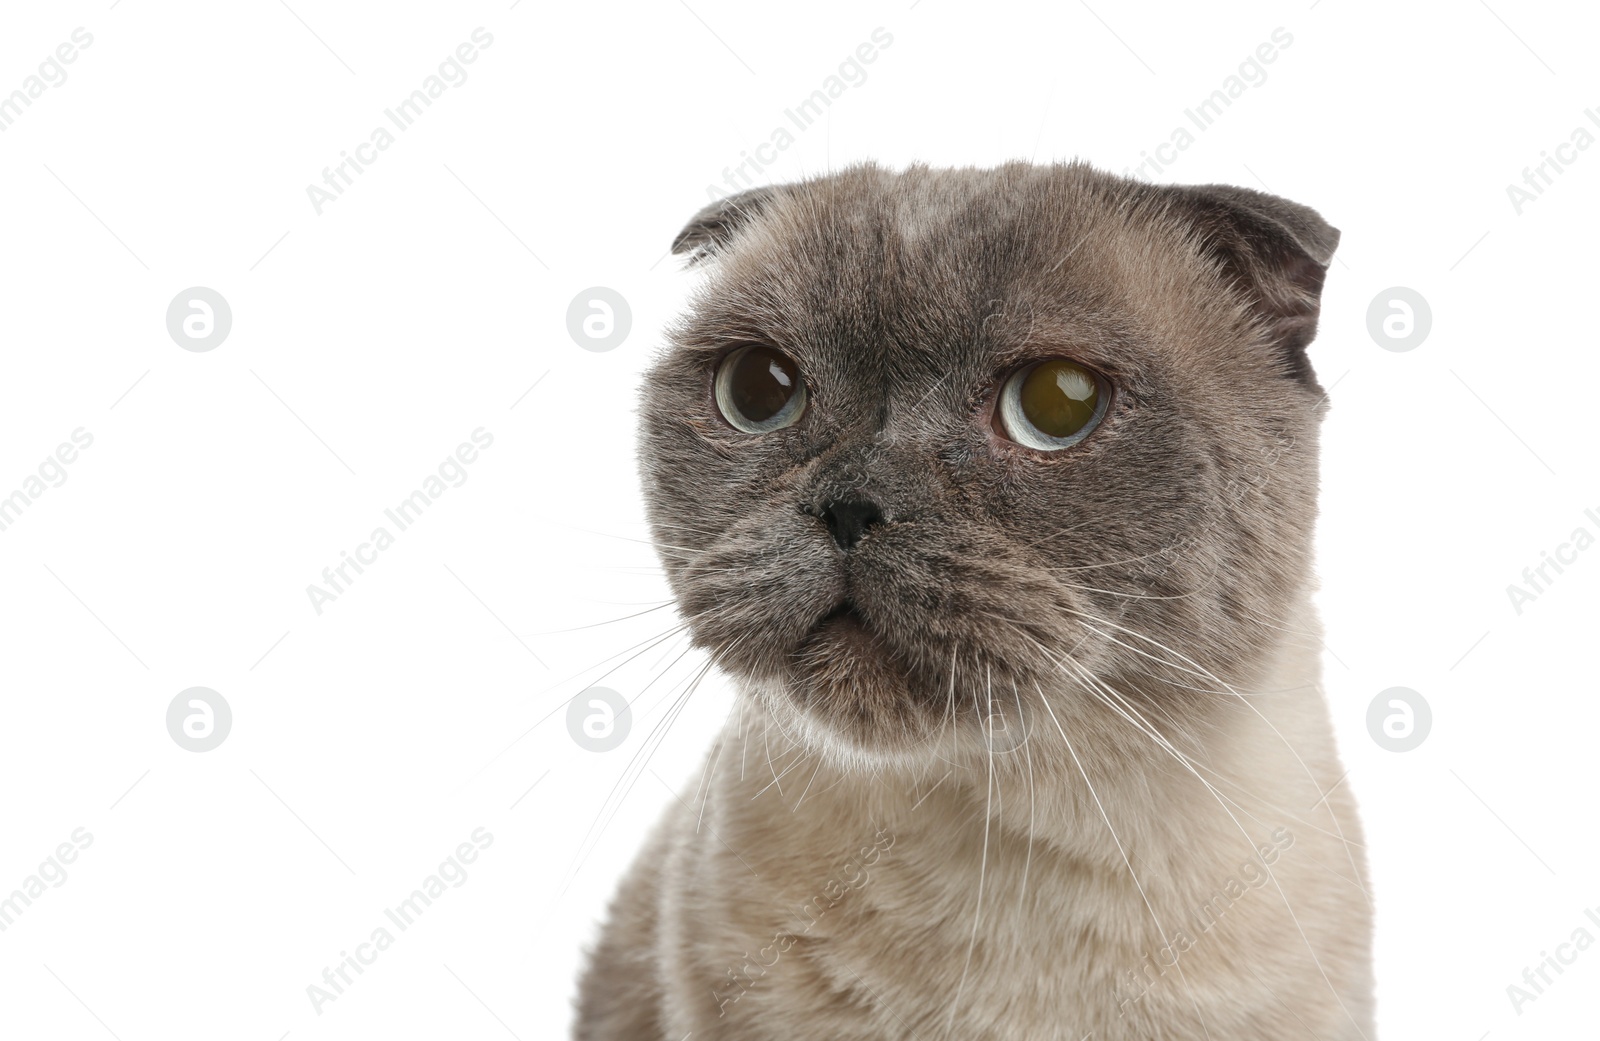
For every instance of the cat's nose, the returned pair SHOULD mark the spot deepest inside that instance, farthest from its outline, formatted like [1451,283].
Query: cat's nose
[849,519]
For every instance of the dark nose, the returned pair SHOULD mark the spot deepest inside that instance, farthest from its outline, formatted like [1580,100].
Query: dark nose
[849,519]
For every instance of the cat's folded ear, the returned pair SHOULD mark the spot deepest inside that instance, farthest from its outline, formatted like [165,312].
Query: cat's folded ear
[1276,252]
[710,230]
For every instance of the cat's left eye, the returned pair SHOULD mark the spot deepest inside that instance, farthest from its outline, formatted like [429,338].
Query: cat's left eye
[759,389]
[1052,405]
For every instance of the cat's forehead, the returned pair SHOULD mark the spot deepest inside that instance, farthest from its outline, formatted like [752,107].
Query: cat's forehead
[919,274]
[968,227]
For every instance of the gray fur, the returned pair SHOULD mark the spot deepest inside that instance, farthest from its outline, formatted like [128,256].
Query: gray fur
[1167,559]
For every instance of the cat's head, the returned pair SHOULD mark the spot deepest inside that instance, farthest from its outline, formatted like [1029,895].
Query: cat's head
[940,446]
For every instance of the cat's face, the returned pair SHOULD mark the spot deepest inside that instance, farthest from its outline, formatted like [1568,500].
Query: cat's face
[864,530]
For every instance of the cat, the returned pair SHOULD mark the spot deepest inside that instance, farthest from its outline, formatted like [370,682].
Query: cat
[994,492]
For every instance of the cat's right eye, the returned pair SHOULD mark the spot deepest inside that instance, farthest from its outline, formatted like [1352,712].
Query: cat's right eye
[759,390]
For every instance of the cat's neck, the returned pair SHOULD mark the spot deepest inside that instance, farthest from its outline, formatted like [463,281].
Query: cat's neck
[1109,782]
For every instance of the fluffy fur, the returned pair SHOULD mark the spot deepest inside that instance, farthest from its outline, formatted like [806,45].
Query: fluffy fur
[1045,754]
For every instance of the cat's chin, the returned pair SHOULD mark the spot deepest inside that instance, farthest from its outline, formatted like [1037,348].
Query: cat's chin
[845,692]
[846,674]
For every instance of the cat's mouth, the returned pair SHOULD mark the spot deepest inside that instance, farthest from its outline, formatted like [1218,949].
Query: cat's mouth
[844,614]
[843,627]
[864,677]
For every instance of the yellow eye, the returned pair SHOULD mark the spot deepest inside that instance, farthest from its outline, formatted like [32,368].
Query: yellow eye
[1052,404]
[759,390]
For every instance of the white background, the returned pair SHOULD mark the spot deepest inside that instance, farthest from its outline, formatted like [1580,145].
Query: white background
[428,700]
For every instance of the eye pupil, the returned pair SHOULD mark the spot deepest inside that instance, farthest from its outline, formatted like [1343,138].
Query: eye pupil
[1059,398]
[759,389]
[762,383]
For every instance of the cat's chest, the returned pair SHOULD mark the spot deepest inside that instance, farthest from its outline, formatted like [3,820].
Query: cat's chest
[959,937]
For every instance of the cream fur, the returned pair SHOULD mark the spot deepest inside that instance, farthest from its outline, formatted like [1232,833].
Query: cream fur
[866,859]
[1063,920]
